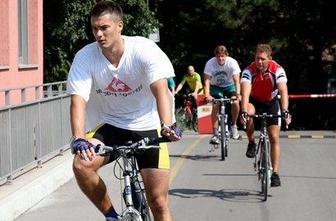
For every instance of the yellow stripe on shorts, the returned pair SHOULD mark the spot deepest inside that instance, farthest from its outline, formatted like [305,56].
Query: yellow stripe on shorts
[164,162]
[90,133]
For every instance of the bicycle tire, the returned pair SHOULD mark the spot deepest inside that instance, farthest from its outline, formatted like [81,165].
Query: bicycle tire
[265,168]
[194,121]
[222,138]
[131,214]
[226,146]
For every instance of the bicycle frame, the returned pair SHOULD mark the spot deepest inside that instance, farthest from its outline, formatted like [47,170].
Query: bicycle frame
[223,128]
[263,163]
[133,194]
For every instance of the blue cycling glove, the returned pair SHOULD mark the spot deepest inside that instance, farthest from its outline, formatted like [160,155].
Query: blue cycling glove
[177,131]
[80,144]
[167,129]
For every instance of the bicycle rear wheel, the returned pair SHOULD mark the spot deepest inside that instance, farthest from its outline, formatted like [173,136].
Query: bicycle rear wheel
[223,138]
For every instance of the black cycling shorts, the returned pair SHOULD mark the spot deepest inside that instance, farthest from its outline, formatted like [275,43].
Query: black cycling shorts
[151,158]
[272,107]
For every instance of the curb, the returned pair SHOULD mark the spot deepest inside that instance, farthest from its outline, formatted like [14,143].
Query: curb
[29,189]
[299,136]
[308,136]
[285,136]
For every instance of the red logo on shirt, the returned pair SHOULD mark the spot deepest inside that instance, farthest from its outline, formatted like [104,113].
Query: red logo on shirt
[117,85]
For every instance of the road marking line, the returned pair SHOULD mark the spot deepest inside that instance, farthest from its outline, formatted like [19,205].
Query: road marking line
[293,136]
[179,162]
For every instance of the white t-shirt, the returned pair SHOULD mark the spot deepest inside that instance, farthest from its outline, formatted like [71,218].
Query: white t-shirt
[221,75]
[120,96]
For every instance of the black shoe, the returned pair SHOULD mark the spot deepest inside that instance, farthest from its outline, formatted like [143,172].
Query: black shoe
[275,180]
[251,150]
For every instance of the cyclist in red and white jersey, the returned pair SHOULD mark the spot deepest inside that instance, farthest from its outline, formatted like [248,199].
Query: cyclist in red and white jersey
[261,82]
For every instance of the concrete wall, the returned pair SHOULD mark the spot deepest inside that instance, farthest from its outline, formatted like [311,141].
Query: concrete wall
[12,74]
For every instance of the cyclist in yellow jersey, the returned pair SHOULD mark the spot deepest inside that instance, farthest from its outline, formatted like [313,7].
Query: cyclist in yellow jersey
[194,81]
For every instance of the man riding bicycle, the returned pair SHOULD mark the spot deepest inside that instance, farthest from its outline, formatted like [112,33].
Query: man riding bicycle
[194,82]
[261,82]
[221,79]
[128,86]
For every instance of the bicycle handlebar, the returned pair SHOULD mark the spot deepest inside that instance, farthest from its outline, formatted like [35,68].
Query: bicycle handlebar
[223,100]
[265,116]
[145,143]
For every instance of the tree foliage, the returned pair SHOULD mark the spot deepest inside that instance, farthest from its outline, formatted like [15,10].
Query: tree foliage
[299,32]
[67,29]
[302,34]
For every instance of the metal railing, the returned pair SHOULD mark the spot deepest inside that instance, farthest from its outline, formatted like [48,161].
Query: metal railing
[40,91]
[33,132]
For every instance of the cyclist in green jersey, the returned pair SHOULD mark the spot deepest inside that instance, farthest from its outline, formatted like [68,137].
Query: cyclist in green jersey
[194,82]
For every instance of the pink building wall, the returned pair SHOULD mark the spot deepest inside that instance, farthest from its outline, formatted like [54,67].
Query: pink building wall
[12,74]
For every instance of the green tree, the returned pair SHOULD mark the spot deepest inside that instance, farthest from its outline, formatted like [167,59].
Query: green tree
[67,29]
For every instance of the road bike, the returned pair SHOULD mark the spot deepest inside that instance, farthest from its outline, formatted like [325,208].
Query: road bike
[223,128]
[186,114]
[133,194]
[262,161]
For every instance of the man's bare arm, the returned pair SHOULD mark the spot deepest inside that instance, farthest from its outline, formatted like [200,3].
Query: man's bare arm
[77,116]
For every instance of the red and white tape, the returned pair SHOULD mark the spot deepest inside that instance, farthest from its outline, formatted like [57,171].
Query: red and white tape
[301,96]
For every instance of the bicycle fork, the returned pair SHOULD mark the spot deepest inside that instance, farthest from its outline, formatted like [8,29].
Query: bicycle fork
[130,213]
[259,164]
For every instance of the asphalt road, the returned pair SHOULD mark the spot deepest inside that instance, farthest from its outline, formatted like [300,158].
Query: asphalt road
[205,188]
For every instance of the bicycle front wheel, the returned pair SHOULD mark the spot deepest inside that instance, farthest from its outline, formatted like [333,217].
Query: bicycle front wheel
[131,214]
[223,138]
[194,120]
[265,166]
[180,116]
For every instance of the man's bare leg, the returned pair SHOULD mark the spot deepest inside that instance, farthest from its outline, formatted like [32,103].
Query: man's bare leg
[156,183]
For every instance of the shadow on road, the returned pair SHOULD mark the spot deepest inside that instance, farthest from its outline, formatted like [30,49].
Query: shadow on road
[232,195]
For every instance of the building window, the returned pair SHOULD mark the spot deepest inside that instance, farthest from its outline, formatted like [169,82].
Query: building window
[28,33]
[23,32]
[4,44]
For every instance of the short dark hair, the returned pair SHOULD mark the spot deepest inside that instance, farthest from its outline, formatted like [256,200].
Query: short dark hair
[103,7]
